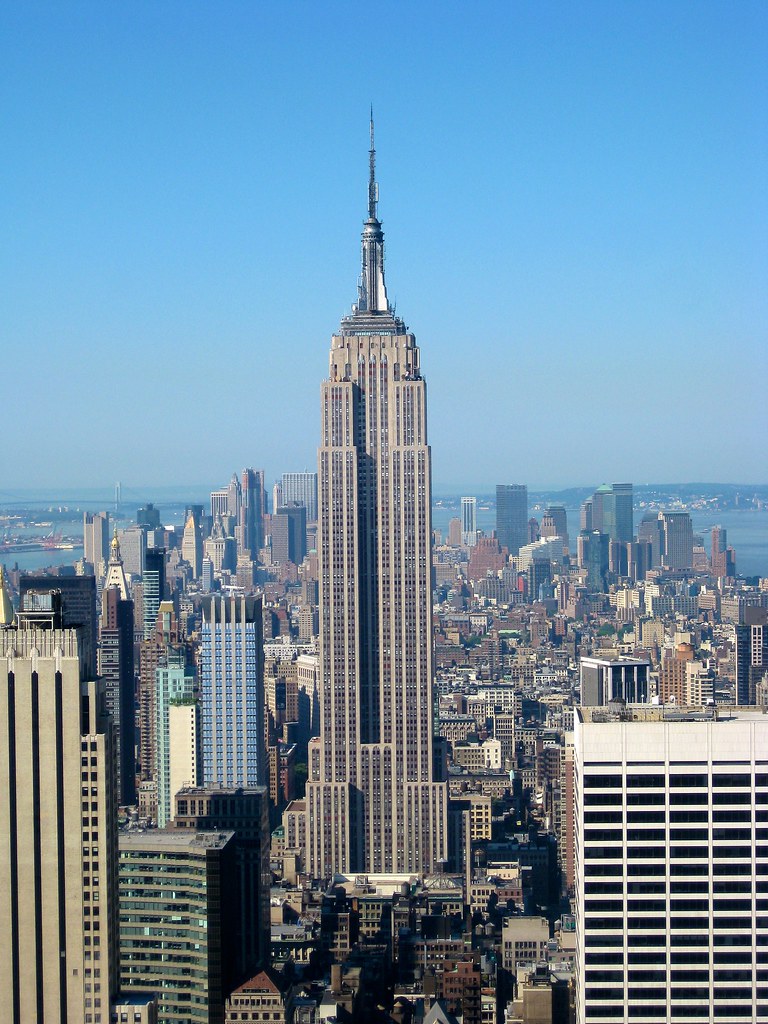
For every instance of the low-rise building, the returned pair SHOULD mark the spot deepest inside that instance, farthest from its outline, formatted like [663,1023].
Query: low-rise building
[259,1001]
[524,938]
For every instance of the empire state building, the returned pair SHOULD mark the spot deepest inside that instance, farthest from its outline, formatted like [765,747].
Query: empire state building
[375,799]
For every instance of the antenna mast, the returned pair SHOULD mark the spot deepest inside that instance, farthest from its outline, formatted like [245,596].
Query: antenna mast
[373,188]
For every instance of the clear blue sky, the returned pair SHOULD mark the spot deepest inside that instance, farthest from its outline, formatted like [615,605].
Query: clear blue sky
[575,202]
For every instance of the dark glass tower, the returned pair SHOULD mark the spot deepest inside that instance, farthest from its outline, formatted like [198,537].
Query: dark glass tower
[512,516]
[78,605]
[153,579]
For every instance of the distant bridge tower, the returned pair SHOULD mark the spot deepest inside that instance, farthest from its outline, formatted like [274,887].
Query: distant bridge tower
[117,497]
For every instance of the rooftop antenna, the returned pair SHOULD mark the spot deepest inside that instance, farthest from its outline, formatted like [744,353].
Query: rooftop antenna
[373,188]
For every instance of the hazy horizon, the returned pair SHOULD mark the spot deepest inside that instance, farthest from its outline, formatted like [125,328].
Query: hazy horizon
[133,494]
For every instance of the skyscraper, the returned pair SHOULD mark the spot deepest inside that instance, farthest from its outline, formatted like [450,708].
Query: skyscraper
[374,801]
[592,551]
[723,560]
[244,811]
[301,489]
[277,496]
[232,692]
[58,823]
[166,639]
[220,502]
[289,533]
[621,525]
[234,498]
[554,523]
[669,809]
[96,539]
[174,683]
[251,526]
[192,544]
[115,577]
[469,521]
[177,909]
[220,548]
[609,511]
[78,608]
[650,530]
[751,652]
[677,535]
[133,545]
[613,679]
[148,516]
[585,516]
[512,516]
[116,668]
[153,579]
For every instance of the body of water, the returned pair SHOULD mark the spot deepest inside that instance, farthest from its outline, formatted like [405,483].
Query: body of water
[747,532]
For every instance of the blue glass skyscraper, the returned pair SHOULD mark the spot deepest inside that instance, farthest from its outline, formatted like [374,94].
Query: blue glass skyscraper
[232,692]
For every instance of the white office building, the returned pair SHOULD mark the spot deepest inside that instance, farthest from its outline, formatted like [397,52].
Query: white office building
[301,489]
[469,522]
[671,833]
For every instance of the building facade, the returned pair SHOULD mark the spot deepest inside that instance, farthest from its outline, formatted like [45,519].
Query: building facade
[96,540]
[192,544]
[604,680]
[677,540]
[250,537]
[174,686]
[58,823]
[184,746]
[133,545]
[176,921]
[289,534]
[301,489]
[153,580]
[375,801]
[245,812]
[671,870]
[554,523]
[78,609]
[751,634]
[116,668]
[232,692]
[512,516]
[166,639]
[468,521]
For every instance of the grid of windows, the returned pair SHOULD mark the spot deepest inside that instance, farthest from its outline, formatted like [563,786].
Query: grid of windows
[669,869]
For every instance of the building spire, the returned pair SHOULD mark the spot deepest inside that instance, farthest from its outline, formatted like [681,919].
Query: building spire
[116,570]
[373,188]
[372,292]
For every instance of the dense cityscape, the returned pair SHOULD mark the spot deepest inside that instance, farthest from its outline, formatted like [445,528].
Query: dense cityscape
[332,748]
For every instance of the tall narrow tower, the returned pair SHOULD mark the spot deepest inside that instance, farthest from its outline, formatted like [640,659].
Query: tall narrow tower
[58,824]
[376,801]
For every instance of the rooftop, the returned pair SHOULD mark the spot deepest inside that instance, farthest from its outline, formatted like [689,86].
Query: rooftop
[215,789]
[261,982]
[672,713]
[173,839]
